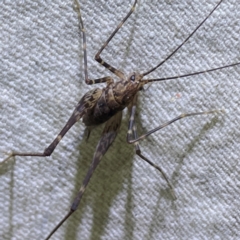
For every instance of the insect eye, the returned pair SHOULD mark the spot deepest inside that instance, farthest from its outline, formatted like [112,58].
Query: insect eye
[132,78]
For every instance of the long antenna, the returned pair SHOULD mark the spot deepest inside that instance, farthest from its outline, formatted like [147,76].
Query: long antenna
[190,74]
[170,55]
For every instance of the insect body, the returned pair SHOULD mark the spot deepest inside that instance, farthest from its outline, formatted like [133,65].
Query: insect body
[105,105]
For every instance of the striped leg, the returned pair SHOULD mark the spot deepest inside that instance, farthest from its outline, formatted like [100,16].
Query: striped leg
[108,135]
[84,105]
[131,123]
[99,59]
[132,137]
[82,29]
[77,114]
[132,132]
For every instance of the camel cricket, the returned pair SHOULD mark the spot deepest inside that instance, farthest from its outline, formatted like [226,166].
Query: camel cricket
[105,105]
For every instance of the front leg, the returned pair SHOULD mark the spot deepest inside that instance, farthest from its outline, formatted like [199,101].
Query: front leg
[97,57]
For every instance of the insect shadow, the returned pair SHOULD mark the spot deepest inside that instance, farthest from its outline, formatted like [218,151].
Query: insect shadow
[106,184]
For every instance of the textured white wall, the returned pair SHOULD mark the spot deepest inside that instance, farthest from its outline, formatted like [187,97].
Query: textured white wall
[41,80]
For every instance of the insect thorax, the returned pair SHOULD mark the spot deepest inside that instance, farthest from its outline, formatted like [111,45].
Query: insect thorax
[110,100]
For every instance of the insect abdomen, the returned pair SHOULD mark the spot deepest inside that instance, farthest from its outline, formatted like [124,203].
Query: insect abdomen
[105,107]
